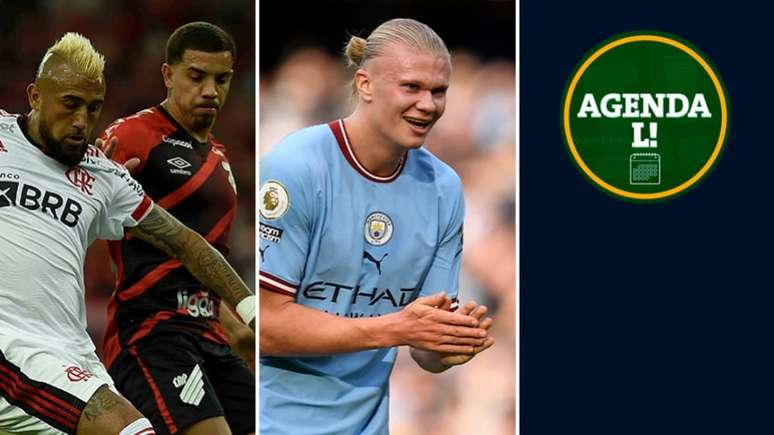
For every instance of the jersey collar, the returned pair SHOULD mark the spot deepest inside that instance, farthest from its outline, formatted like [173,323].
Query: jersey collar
[340,132]
[179,127]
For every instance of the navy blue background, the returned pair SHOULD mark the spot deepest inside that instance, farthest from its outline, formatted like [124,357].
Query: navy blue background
[646,318]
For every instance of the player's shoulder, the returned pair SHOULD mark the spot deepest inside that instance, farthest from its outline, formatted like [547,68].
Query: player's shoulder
[96,160]
[100,166]
[218,145]
[4,114]
[305,140]
[8,123]
[443,175]
[147,124]
[7,118]
[300,153]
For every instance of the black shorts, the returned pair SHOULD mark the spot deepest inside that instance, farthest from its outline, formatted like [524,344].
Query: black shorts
[176,380]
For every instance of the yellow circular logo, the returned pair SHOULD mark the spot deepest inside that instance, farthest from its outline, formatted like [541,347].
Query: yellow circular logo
[645,116]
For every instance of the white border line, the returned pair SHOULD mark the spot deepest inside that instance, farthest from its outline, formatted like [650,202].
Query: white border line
[257,364]
[517,364]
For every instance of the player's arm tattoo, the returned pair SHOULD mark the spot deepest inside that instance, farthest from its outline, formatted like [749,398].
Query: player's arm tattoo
[205,263]
[103,402]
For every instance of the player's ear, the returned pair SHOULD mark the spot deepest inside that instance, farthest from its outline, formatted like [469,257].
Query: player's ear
[364,85]
[166,73]
[33,96]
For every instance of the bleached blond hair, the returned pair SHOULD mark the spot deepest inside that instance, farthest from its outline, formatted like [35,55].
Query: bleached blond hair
[76,50]
[404,31]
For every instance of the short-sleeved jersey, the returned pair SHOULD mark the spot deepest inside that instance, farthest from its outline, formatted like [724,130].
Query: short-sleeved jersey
[49,214]
[342,240]
[193,181]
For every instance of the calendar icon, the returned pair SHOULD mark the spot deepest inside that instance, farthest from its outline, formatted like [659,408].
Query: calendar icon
[645,168]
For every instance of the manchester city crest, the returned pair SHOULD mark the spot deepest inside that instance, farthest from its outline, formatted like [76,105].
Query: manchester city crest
[275,200]
[378,228]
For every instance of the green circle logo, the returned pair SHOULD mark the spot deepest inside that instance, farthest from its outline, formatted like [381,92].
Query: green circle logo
[645,116]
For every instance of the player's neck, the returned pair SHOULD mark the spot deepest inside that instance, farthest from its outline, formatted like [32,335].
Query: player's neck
[372,150]
[31,123]
[175,112]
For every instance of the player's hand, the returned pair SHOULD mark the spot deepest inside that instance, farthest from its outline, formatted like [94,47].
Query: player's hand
[425,324]
[110,148]
[477,312]
[242,343]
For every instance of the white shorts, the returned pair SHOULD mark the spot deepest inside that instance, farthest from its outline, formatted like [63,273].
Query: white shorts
[44,390]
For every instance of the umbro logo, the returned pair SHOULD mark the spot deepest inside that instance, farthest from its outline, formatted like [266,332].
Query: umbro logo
[179,162]
[192,384]
[180,165]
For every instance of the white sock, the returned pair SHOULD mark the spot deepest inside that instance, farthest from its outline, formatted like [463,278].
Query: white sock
[139,427]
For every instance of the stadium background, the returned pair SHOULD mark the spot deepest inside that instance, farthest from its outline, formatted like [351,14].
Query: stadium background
[132,35]
[303,82]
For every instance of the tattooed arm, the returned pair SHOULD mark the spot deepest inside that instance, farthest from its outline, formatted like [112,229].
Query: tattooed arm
[205,263]
[106,412]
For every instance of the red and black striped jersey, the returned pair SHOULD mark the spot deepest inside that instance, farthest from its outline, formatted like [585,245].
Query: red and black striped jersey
[193,181]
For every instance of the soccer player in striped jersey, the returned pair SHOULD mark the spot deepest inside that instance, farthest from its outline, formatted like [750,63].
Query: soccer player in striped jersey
[361,243]
[164,346]
[57,195]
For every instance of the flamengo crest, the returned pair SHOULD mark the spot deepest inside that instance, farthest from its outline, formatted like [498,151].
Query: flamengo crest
[77,374]
[81,179]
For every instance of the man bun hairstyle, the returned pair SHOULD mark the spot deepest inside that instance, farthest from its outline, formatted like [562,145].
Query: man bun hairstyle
[403,31]
[354,51]
[76,50]
[201,36]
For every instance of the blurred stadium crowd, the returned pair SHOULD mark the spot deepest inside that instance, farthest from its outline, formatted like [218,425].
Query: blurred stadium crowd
[132,35]
[476,136]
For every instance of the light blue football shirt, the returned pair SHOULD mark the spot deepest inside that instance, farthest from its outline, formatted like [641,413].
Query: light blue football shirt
[342,240]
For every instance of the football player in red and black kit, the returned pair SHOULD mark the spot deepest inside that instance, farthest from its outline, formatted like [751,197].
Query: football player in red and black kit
[164,345]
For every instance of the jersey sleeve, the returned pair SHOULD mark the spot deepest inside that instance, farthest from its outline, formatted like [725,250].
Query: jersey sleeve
[126,205]
[131,140]
[444,273]
[221,149]
[286,202]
